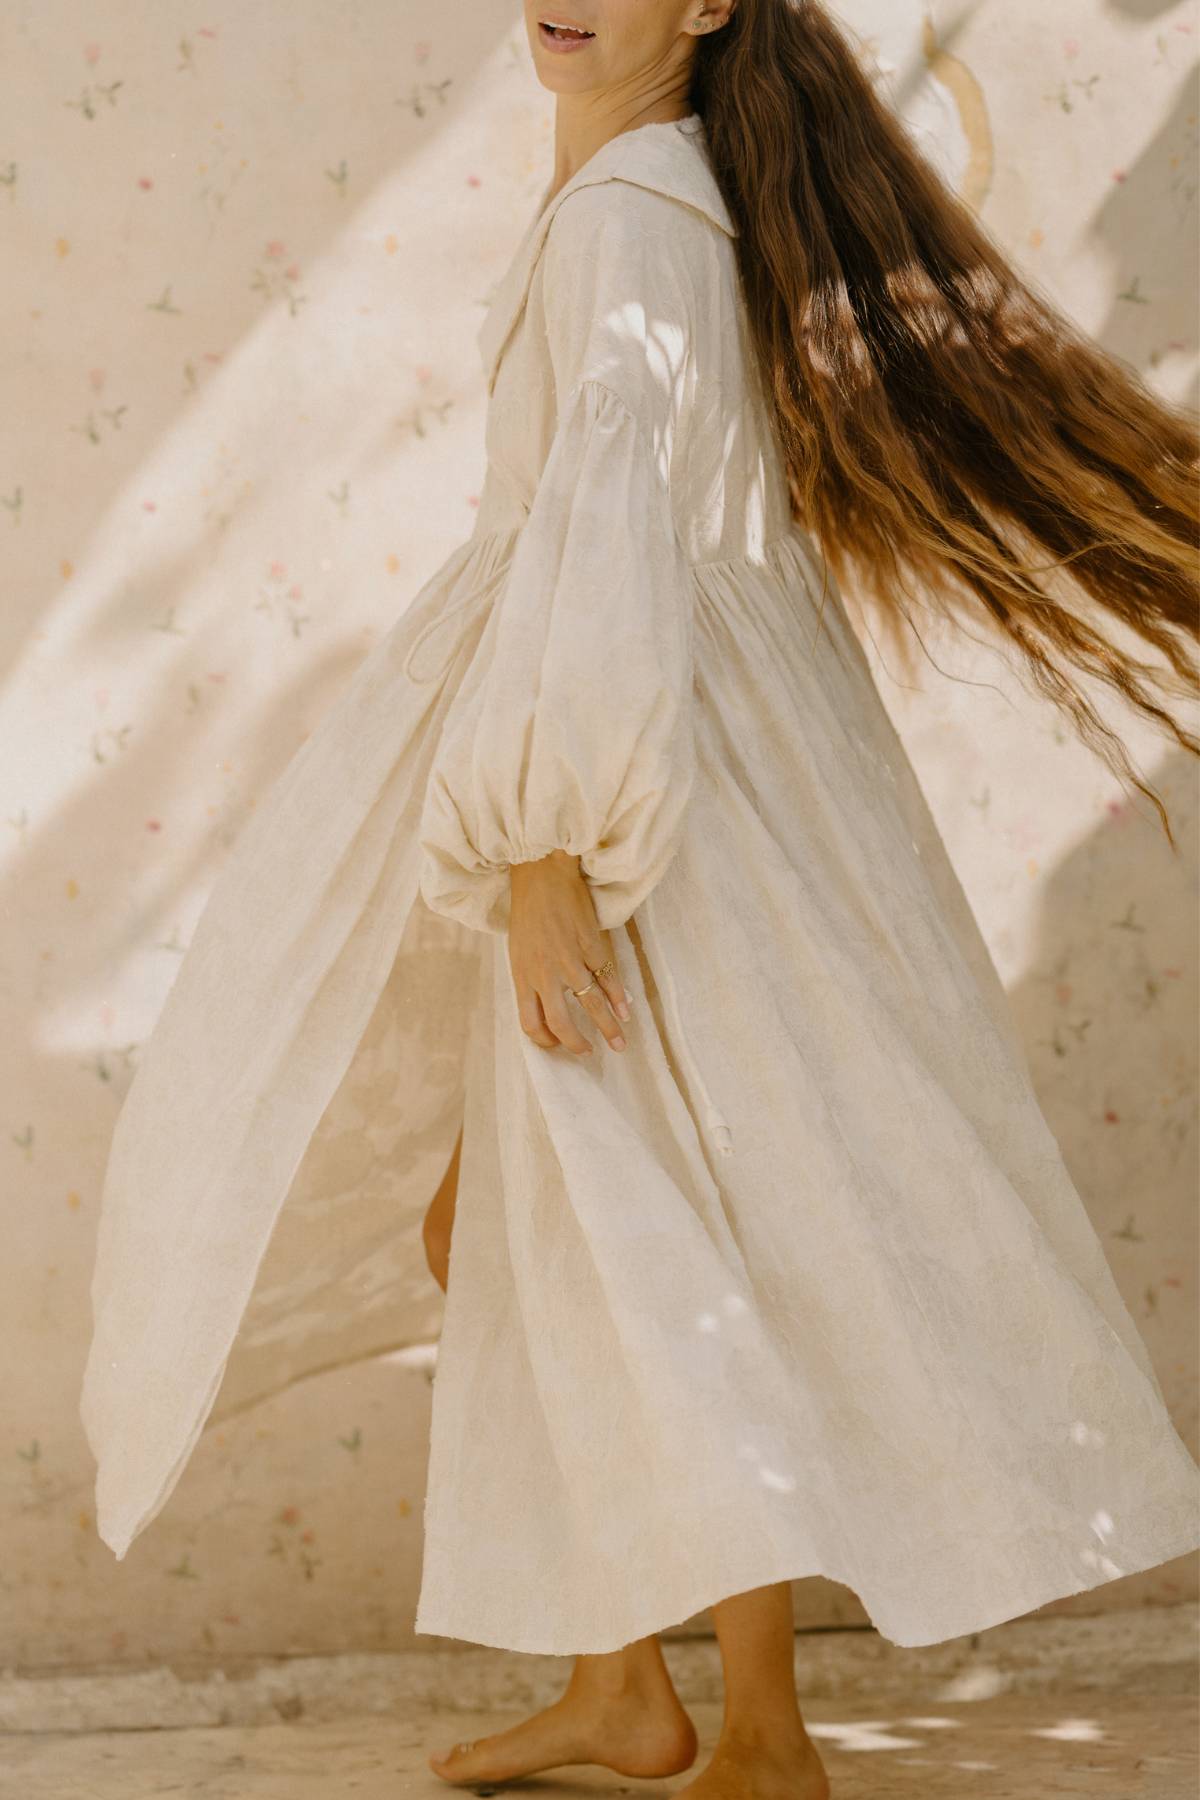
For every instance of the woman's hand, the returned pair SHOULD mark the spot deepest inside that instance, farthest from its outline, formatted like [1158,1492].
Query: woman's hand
[554,943]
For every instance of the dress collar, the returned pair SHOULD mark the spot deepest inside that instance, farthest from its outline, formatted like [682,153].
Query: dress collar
[668,155]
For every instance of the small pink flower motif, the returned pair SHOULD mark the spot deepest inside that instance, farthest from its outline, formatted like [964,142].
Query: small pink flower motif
[421,51]
[295,591]
[91,54]
[1172,1281]
[275,249]
[1071,47]
[96,378]
[1116,809]
[1063,992]
[214,356]
[231,1618]
[150,506]
[309,1536]
[1173,973]
[153,824]
[277,571]
[474,181]
[145,183]
[424,373]
[288,1515]
[293,273]
[217,675]
[108,1016]
[208,31]
[472,499]
[1111,1117]
[101,698]
[1120,175]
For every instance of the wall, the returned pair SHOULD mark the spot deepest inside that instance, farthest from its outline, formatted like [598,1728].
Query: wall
[248,250]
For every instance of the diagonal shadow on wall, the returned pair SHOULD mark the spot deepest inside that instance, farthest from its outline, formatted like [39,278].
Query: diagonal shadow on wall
[1147,226]
[1107,1011]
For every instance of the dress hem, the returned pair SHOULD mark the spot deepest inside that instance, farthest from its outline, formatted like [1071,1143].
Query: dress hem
[979,1620]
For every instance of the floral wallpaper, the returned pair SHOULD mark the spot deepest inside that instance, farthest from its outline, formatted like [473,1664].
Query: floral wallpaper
[247,250]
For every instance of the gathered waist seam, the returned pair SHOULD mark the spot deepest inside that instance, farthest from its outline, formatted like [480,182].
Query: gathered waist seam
[743,559]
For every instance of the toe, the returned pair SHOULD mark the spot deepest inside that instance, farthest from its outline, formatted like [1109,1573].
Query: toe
[443,1758]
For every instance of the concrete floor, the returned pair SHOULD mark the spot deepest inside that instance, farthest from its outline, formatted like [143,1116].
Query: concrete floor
[1009,1747]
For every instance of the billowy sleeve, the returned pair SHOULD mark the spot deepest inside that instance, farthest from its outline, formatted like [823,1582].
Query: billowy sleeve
[576,733]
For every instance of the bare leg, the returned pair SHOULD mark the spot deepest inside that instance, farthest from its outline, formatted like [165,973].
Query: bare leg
[439,1220]
[619,1709]
[764,1751]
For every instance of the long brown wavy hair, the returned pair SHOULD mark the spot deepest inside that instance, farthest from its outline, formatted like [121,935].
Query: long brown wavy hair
[944,426]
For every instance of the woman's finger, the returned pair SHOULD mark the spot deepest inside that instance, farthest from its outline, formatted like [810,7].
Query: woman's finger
[614,987]
[597,998]
[533,1019]
[557,1008]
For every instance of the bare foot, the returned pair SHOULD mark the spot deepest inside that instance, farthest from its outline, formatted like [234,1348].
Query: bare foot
[783,1768]
[635,1733]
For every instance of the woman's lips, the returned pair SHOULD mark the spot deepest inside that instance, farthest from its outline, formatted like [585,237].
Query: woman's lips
[562,44]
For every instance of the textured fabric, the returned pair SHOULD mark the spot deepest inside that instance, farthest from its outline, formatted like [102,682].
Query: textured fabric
[574,730]
[799,1282]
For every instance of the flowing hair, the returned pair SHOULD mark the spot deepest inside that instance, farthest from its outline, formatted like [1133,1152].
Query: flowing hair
[941,422]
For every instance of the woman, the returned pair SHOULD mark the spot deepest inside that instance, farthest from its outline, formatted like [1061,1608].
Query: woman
[789,1278]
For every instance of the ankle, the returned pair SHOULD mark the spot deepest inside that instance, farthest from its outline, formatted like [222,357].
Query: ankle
[616,1675]
[776,1730]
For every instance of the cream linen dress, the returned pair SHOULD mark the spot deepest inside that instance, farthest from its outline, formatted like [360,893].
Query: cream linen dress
[796,1284]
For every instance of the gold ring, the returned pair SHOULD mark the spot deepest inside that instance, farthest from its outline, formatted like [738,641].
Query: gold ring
[605,972]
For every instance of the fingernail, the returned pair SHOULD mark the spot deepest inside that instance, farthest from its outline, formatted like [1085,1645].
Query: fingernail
[618,1043]
[622,1010]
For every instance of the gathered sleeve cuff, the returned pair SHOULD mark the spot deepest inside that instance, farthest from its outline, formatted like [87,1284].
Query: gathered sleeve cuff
[573,730]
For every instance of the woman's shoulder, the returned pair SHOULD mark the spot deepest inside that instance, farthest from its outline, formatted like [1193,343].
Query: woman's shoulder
[619,240]
[642,222]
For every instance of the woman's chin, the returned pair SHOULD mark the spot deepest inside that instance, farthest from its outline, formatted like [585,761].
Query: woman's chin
[558,80]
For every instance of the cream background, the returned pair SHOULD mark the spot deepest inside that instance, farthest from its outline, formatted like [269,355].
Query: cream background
[242,421]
